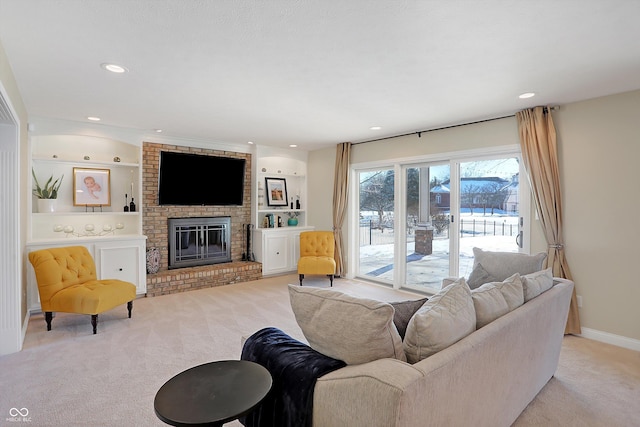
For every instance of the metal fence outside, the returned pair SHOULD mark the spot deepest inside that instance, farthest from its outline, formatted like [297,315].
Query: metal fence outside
[373,234]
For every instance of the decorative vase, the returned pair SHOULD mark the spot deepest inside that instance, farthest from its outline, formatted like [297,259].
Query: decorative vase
[153,260]
[292,222]
[47,205]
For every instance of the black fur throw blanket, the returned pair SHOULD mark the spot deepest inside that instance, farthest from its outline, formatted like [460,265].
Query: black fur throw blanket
[294,368]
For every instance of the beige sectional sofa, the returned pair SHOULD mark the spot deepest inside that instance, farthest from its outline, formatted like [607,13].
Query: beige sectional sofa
[485,379]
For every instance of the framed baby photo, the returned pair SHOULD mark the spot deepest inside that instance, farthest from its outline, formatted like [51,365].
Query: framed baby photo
[91,187]
[276,191]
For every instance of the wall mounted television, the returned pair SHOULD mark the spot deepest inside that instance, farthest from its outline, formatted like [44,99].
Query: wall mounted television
[195,179]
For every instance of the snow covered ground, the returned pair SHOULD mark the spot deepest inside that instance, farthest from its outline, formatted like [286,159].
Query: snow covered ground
[376,261]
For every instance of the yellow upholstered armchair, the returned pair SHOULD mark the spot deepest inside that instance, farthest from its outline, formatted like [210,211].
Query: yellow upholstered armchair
[67,283]
[316,254]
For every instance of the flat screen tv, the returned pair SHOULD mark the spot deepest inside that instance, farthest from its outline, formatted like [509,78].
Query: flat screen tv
[194,179]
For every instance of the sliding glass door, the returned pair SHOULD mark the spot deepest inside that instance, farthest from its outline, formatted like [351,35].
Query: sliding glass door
[427,210]
[490,203]
[419,222]
[376,206]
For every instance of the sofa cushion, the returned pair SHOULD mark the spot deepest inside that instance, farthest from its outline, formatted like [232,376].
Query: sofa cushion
[404,311]
[446,318]
[495,299]
[536,283]
[338,325]
[479,276]
[489,304]
[500,265]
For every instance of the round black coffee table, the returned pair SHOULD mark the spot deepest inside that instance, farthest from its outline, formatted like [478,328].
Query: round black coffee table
[212,394]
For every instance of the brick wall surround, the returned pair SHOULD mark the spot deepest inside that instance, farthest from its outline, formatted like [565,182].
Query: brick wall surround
[155,227]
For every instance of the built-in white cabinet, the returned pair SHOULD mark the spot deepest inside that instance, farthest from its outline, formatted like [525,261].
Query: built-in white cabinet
[278,249]
[123,259]
[284,170]
[111,233]
[118,165]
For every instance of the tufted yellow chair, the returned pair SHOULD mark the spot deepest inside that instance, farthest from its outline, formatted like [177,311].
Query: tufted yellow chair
[67,283]
[316,254]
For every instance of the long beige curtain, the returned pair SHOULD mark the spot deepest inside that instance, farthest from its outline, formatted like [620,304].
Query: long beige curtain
[340,198]
[540,156]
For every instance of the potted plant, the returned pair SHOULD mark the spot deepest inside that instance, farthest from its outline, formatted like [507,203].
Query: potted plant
[47,194]
[293,219]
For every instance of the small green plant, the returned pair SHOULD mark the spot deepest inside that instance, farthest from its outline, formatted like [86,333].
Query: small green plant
[50,189]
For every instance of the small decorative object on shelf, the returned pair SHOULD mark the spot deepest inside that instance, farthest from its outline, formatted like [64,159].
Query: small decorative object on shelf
[116,159]
[87,158]
[297,202]
[132,206]
[126,203]
[50,189]
[89,230]
[293,219]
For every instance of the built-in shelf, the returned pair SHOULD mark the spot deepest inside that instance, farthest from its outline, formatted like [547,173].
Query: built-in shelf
[109,213]
[84,163]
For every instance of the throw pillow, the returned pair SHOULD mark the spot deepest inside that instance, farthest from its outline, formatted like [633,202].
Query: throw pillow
[489,304]
[501,265]
[496,299]
[354,330]
[536,283]
[479,277]
[512,291]
[445,319]
[404,312]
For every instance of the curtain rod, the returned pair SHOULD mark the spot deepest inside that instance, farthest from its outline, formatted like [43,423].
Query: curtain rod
[419,133]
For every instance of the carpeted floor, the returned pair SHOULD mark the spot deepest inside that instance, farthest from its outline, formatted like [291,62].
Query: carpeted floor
[69,377]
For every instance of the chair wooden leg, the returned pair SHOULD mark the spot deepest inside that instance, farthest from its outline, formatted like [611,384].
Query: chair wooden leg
[48,316]
[129,307]
[331,279]
[301,277]
[94,323]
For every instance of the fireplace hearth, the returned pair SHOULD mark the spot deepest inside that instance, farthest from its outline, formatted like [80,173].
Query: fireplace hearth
[199,241]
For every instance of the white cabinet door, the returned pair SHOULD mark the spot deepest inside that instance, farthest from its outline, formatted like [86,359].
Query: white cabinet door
[276,254]
[278,249]
[123,261]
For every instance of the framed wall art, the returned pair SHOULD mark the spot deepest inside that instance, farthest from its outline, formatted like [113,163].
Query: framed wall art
[276,191]
[91,187]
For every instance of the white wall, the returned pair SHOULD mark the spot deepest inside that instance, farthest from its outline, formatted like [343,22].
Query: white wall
[11,290]
[599,145]
[598,141]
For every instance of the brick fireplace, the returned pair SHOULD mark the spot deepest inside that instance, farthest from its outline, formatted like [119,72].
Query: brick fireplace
[155,227]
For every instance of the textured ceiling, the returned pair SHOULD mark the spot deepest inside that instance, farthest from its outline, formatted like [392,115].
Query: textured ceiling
[313,73]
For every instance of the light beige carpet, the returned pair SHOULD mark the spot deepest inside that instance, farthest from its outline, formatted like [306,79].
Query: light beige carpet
[69,377]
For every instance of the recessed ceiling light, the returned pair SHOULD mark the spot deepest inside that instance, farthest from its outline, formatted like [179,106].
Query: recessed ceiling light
[375,127]
[114,68]
[292,145]
[250,142]
[93,118]
[527,95]
[157,130]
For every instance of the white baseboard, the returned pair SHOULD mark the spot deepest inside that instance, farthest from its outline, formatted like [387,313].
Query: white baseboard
[606,337]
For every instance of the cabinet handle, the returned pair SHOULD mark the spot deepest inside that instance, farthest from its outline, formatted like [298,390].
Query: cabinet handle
[120,269]
[277,253]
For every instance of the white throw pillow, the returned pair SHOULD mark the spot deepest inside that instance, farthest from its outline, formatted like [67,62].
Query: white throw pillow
[354,330]
[445,319]
[536,283]
[489,304]
[512,291]
[500,265]
[496,299]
